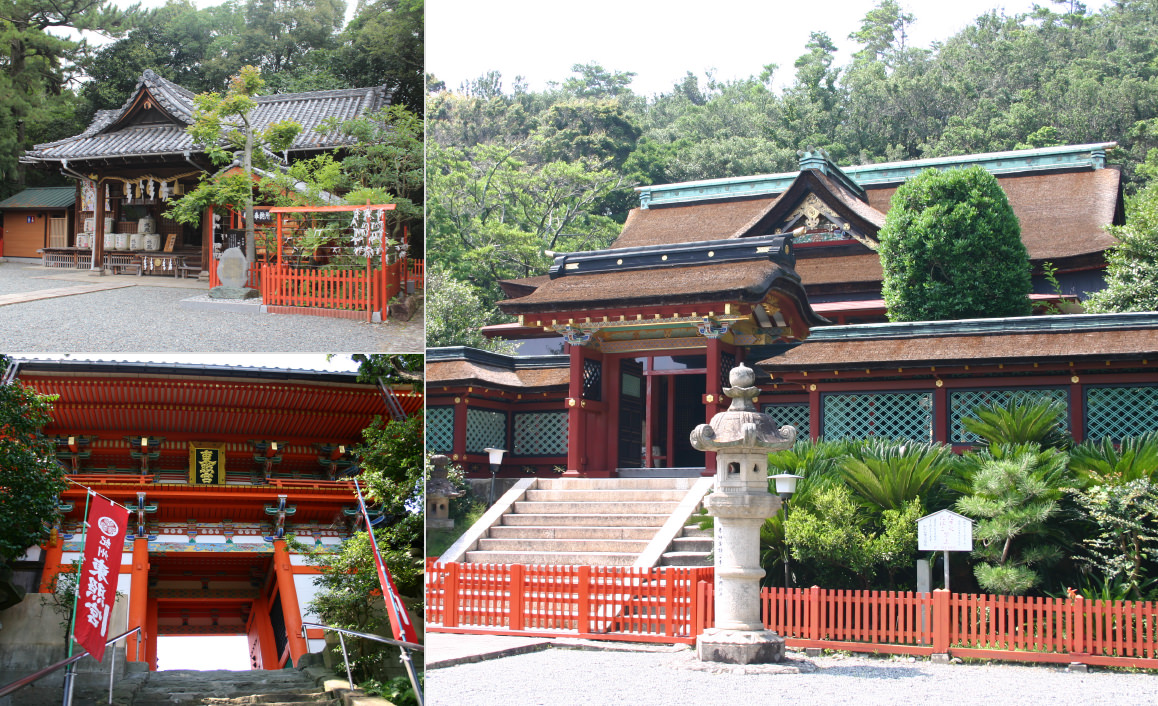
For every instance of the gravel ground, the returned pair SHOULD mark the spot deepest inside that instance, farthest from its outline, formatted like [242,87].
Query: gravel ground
[149,318]
[560,677]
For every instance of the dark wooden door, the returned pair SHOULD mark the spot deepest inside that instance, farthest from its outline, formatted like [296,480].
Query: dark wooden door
[688,411]
[631,391]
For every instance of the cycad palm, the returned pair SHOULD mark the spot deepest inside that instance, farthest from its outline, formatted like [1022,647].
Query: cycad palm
[1021,420]
[1134,458]
[890,474]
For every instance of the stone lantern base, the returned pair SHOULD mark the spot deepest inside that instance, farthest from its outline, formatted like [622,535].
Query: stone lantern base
[740,646]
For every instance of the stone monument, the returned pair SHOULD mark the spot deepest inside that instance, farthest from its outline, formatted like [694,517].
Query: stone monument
[439,491]
[740,502]
[233,270]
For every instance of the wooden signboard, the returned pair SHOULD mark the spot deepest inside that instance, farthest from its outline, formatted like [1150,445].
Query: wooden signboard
[206,463]
[170,242]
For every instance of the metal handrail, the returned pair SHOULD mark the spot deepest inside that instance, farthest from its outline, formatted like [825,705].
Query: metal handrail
[405,646]
[25,681]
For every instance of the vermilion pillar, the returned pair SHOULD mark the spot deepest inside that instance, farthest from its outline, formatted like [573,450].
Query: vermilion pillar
[53,550]
[150,642]
[262,644]
[138,598]
[289,600]
[576,418]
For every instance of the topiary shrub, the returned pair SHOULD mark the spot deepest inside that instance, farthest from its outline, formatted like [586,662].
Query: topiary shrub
[951,249]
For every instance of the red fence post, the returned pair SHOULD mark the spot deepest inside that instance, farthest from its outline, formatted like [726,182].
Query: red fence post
[1078,627]
[940,623]
[814,613]
[584,595]
[515,621]
[450,595]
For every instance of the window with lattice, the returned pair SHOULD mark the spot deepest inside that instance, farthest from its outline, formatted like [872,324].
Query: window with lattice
[727,362]
[790,413]
[890,415]
[485,428]
[592,379]
[963,402]
[440,429]
[540,434]
[1121,411]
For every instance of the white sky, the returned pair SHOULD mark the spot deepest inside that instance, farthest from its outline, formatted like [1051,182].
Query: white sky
[305,361]
[661,41]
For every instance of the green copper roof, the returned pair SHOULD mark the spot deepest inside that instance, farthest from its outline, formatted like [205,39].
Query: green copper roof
[1070,323]
[1090,156]
[42,197]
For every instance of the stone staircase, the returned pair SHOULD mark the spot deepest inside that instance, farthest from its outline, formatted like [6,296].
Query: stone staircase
[590,521]
[286,687]
[693,547]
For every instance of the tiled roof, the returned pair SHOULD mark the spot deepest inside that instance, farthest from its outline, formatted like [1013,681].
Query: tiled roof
[461,365]
[978,341]
[42,197]
[104,138]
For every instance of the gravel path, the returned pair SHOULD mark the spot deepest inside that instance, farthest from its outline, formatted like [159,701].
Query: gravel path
[148,317]
[560,677]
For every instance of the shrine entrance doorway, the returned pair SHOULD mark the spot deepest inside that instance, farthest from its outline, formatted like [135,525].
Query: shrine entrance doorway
[670,391]
[216,593]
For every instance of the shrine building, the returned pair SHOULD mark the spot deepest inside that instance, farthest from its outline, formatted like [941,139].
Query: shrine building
[131,161]
[624,350]
[218,466]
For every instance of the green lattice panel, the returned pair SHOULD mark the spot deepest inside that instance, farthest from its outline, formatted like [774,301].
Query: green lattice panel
[440,429]
[485,428]
[1118,412]
[963,402]
[891,415]
[792,414]
[540,434]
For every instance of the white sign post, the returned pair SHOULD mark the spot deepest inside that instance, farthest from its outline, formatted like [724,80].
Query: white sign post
[945,531]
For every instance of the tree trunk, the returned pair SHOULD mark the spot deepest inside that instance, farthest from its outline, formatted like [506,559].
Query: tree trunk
[250,240]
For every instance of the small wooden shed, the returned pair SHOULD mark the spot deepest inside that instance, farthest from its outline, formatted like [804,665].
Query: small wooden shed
[36,218]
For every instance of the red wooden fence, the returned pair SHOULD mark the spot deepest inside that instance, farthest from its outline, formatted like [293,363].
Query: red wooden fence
[604,602]
[676,604]
[354,289]
[253,280]
[416,272]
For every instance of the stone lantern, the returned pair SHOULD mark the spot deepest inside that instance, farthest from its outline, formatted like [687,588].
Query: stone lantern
[740,502]
[439,491]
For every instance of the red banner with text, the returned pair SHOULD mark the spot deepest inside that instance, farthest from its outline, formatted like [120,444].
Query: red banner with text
[97,583]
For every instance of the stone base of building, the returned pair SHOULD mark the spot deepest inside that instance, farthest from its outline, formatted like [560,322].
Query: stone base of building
[439,523]
[740,646]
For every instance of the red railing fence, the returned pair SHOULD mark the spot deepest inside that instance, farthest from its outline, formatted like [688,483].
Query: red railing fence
[605,602]
[676,604]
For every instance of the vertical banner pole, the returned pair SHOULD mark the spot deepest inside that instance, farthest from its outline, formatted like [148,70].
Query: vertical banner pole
[946,569]
[69,671]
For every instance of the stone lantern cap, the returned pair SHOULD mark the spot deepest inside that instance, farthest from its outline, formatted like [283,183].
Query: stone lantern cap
[742,427]
[439,485]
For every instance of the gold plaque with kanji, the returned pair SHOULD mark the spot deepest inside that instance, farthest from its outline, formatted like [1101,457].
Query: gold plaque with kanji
[206,463]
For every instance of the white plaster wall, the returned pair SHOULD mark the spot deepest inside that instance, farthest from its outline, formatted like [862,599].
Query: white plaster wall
[210,539]
[307,588]
[248,539]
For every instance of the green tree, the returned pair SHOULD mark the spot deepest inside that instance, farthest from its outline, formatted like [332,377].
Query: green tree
[1125,545]
[391,463]
[36,67]
[1132,263]
[883,31]
[384,45]
[222,126]
[1103,461]
[1023,419]
[30,478]
[1014,498]
[455,315]
[834,530]
[951,249]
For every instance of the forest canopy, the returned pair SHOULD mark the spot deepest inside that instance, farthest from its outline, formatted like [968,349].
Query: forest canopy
[514,172]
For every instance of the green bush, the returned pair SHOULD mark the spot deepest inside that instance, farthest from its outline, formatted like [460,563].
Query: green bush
[951,249]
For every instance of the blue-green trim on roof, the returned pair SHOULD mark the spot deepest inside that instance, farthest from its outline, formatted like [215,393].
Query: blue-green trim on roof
[1067,157]
[42,197]
[1070,323]
[498,360]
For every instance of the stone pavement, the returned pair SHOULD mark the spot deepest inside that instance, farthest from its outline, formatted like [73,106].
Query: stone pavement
[444,649]
[36,294]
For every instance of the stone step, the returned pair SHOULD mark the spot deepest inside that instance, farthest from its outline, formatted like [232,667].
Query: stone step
[583,520]
[685,559]
[594,508]
[659,473]
[615,483]
[553,558]
[692,544]
[618,495]
[532,532]
[695,531]
[562,545]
